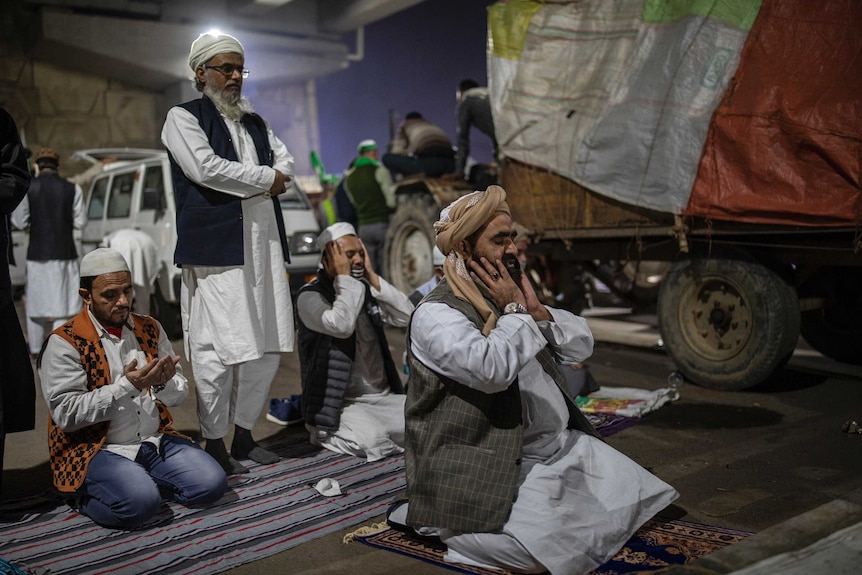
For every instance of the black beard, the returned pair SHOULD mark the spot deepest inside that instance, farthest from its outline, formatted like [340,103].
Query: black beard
[513,266]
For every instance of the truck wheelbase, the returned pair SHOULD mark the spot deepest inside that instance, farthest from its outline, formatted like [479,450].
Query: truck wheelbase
[728,324]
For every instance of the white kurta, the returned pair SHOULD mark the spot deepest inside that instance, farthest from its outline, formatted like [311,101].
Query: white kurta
[52,285]
[372,418]
[579,499]
[246,310]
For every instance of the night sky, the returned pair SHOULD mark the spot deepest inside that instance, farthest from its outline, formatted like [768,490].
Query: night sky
[413,61]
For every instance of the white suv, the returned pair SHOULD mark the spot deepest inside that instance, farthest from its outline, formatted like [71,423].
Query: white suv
[137,192]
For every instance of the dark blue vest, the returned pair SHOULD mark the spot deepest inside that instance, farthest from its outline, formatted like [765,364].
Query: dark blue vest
[209,223]
[52,218]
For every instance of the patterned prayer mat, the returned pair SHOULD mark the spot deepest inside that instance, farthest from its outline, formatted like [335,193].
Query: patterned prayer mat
[270,510]
[655,545]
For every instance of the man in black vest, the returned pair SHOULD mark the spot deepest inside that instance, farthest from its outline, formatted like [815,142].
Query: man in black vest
[352,395]
[228,169]
[53,208]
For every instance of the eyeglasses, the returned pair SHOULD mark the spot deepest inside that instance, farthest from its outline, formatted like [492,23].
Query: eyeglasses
[228,69]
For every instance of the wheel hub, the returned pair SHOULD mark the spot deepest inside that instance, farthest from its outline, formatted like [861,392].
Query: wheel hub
[721,320]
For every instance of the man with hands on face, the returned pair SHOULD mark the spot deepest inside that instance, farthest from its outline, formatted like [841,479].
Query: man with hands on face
[352,394]
[501,465]
[108,376]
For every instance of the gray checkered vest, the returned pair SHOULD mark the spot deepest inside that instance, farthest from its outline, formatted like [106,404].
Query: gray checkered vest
[463,447]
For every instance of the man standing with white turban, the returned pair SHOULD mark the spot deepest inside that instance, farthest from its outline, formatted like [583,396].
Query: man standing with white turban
[108,376]
[228,167]
[501,464]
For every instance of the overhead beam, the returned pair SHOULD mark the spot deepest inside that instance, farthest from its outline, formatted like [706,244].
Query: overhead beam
[155,54]
[342,16]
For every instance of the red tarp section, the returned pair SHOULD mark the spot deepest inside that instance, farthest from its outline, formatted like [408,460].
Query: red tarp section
[785,144]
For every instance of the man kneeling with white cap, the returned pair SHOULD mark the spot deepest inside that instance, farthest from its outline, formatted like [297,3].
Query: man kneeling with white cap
[107,377]
[352,394]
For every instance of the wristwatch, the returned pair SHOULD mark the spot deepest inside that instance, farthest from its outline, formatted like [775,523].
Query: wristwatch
[514,307]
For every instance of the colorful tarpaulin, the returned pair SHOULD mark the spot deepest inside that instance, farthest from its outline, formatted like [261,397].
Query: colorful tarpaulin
[742,110]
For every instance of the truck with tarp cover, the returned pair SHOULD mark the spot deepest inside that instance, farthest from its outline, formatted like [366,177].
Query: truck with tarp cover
[719,141]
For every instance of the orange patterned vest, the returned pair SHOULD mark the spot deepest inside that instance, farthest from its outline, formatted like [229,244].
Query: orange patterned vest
[71,452]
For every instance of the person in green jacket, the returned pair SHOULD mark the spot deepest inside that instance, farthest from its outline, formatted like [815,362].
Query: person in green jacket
[371,190]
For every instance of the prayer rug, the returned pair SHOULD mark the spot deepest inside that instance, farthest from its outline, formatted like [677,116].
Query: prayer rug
[270,510]
[655,545]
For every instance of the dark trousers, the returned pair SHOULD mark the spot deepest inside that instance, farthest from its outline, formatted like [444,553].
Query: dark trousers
[17,385]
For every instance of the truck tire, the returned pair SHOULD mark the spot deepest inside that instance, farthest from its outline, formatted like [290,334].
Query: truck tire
[835,329]
[410,242]
[727,324]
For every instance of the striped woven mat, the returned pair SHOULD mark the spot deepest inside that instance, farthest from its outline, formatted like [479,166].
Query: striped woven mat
[272,509]
[269,510]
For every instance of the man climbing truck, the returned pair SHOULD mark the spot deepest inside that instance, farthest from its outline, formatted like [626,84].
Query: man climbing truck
[721,139]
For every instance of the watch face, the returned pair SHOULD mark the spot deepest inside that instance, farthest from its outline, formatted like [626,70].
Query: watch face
[514,307]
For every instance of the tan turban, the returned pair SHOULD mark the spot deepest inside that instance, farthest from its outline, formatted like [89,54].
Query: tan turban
[208,45]
[458,221]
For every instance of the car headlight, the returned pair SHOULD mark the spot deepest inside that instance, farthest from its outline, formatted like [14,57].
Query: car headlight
[304,243]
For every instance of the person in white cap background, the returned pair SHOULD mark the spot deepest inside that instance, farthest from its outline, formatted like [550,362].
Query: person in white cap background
[501,464]
[107,377]
[437,259]
[53,209]
[228,169]
[369,186]
[352,394]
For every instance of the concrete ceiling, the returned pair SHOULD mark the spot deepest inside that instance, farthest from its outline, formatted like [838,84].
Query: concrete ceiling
[146,42]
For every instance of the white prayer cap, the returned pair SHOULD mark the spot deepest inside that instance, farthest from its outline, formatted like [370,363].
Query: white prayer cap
[328,487]
[333,232]
[438,258]
[211,44]
[103,261]
[366,145]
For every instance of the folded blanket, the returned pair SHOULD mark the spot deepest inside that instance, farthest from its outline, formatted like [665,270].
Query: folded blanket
[626,401]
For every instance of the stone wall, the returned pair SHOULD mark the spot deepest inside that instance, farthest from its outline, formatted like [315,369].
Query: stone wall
[70,110]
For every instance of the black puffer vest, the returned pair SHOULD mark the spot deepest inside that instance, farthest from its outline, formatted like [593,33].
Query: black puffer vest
[326,362]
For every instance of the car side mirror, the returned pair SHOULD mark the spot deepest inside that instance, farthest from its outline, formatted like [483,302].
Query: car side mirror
[152,199]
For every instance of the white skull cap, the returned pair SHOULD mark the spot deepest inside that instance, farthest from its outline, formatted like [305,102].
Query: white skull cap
[103,261]
[333,232]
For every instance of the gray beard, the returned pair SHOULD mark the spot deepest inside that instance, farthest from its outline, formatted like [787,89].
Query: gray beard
[233,107]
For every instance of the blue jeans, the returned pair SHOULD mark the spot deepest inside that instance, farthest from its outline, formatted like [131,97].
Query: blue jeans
[122,493]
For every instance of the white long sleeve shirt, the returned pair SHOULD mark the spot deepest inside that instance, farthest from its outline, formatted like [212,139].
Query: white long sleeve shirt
[237,309]
[133,414]
[341,318]
[579,499]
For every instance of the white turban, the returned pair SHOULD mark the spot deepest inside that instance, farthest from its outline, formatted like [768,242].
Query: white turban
[438,257]
[103,261]
[208,45]
[333,232]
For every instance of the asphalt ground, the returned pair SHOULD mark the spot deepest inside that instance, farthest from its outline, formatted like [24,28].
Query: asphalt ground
[772,459]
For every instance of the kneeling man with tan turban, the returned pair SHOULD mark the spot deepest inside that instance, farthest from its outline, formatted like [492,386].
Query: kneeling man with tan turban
[108,376]
[501,464]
